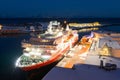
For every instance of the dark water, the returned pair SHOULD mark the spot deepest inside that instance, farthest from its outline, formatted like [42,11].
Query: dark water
[111,28]
[10,50]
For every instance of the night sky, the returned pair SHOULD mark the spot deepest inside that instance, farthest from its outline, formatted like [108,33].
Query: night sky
[59,8]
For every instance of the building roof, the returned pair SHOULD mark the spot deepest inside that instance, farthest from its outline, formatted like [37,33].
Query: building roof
[110,43]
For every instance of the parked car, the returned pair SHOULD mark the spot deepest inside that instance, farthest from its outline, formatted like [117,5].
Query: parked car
[109,66]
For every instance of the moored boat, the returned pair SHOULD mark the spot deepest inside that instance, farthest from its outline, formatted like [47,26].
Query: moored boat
[46,48]
[18,29]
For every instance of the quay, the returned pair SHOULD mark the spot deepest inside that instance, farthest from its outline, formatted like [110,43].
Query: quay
[83,63]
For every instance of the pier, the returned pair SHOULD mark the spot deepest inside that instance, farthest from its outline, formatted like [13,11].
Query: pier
[75,56]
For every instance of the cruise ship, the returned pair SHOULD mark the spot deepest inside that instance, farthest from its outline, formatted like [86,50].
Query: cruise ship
[46,48]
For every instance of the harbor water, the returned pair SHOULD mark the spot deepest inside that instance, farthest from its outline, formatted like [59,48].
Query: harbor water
[10,50]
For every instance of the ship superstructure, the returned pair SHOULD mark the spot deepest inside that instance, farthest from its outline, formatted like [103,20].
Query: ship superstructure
[46,48]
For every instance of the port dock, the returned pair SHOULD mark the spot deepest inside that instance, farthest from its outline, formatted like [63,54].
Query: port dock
[74,56]
[83,63]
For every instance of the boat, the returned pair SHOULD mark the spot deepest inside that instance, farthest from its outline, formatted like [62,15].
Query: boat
[11,30]
[46,48]
[17,29]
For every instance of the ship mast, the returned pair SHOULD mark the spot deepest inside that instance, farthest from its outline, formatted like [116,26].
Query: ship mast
[67,28]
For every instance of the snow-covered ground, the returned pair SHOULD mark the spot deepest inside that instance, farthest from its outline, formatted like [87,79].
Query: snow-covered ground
[88,71]
[95,60]
[82,72]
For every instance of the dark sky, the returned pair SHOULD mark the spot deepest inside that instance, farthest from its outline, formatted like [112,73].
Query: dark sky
[59,8]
